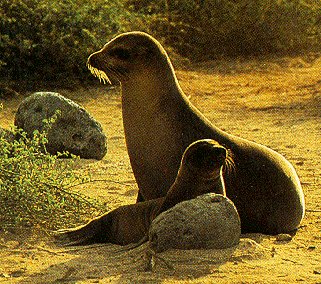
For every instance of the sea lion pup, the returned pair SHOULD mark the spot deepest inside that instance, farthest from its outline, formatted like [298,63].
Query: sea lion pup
[200,172]
[160,122]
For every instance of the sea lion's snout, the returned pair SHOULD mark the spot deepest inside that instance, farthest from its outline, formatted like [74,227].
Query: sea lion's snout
[213,157]
[93,60]
[96,67]
[217,154]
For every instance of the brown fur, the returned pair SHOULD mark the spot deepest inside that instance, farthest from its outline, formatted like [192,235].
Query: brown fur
[160,122]
[200,172]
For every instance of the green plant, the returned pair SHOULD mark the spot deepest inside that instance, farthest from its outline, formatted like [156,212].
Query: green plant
[51,40]
[43,40]
[36,188]
[209,29]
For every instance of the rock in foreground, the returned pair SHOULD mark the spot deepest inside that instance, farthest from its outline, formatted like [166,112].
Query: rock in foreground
[209,221]
[75,130]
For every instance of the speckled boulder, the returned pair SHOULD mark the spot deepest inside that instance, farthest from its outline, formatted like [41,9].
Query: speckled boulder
[75,130]
[209,221]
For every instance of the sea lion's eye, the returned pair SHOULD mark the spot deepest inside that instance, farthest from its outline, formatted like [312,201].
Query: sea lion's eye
[120,53]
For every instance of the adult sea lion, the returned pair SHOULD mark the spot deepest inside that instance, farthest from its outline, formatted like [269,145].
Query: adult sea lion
[160,122]
[200,172]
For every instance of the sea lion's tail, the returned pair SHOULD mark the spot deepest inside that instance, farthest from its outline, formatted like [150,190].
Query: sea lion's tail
[83,235]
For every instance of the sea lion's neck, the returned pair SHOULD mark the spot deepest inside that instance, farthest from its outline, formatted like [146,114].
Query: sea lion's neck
[155,92]
[150,87]
[159,125]
[189,186]
[196,184]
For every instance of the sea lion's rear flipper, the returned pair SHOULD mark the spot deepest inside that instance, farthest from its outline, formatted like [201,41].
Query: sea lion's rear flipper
[87,234]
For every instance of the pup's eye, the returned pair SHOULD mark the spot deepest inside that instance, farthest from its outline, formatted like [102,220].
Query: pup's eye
[120,53]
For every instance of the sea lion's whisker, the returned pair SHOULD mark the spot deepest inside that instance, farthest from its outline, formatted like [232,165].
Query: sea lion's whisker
[229,165]
[100,74]
[104,77]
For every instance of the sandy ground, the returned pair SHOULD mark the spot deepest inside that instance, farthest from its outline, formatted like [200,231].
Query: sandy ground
[276,103]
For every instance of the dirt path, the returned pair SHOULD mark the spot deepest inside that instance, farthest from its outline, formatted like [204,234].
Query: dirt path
[270,103]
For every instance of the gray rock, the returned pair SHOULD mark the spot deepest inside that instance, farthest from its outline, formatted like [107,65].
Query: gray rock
[284,238]
[75,130]
[209,221]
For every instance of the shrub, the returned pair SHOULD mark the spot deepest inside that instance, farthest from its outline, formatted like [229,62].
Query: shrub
[43,40]
[36,189]
[212,28]
[51,40]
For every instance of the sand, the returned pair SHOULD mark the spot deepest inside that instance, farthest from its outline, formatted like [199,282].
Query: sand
[276,103]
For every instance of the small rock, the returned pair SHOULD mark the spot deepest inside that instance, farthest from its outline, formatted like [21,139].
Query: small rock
[17,273]
[283,238]
[209,221]
[75,130]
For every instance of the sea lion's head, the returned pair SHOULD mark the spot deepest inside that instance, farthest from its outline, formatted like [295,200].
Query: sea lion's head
[200,172]
[205,159]
[126,56]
